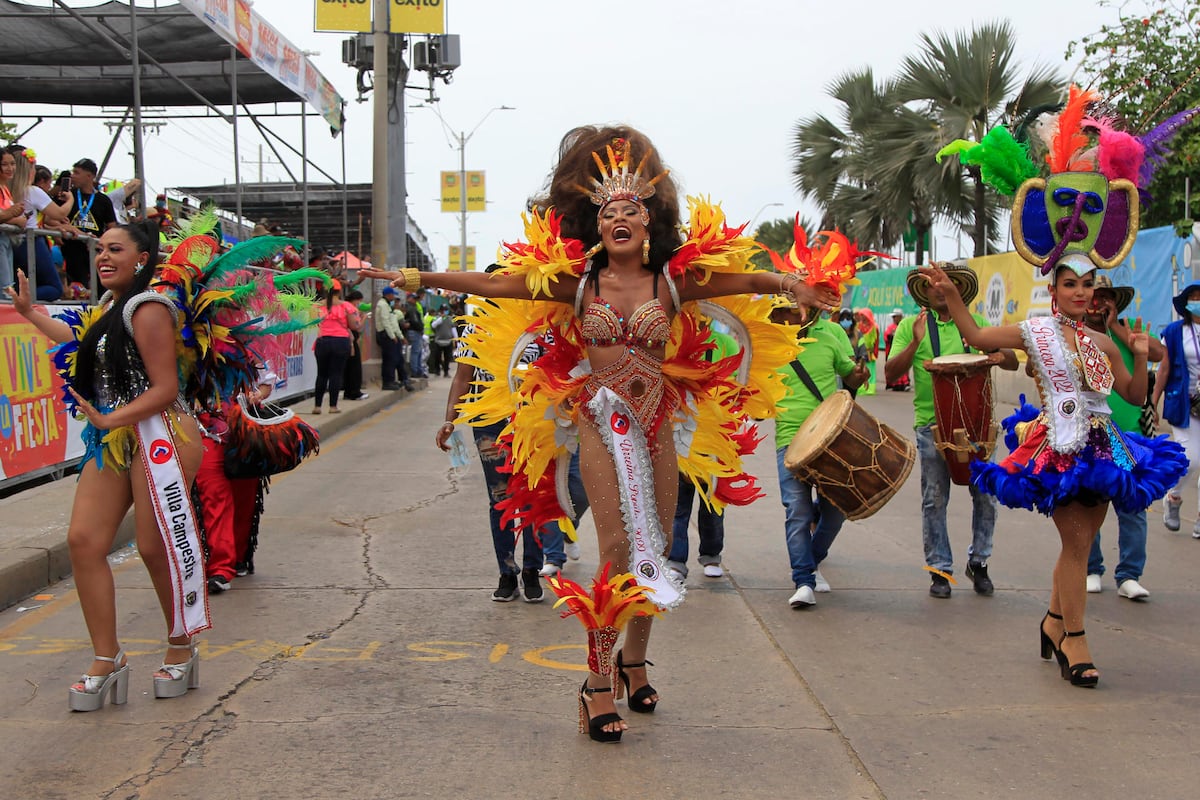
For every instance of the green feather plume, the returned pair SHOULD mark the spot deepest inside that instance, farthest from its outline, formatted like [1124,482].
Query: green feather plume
[1004,163]
[244,253]
[202,223]
[301,275]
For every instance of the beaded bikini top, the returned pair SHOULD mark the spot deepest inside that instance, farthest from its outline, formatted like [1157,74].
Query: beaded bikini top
[648,326]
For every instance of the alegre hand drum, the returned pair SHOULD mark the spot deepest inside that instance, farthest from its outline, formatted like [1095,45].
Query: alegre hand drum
[854,460]
[962,405]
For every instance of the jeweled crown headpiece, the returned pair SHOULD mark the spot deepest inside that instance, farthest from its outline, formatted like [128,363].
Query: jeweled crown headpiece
[616,181]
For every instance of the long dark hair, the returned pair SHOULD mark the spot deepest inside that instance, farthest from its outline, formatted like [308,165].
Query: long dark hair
[144,236]
[576,168]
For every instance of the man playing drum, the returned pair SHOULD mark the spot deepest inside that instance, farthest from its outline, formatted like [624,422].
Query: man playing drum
[1108,302]
[928,335]
[809,380]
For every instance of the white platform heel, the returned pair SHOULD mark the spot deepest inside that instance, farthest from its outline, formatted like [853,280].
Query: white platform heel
[183,676]
[93,689]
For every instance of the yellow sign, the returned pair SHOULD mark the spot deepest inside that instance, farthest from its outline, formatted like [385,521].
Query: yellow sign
[455,263]
[343,15]
[418,16]
[476,192]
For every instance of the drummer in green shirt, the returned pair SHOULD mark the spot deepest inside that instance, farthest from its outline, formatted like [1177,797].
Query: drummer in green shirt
[1107,304]
[811,378]
[918,339]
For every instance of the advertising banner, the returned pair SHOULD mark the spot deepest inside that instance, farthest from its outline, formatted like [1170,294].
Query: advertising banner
[452,196]
[455,261]
[1011,289]
[270,51]
[35,431]
[352,16]
[417,16]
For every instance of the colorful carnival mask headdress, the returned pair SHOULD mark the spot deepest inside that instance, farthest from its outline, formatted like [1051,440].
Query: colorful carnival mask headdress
[1084,201]
[616,182]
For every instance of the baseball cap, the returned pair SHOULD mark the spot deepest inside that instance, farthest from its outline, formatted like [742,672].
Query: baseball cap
[389,291]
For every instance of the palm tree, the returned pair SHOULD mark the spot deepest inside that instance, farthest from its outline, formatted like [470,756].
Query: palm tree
[842,168]
[965,82]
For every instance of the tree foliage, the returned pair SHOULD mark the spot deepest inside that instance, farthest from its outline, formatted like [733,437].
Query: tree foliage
[6,130]
[1147,65]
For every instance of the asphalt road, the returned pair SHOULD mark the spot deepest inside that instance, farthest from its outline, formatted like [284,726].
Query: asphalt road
[365,659]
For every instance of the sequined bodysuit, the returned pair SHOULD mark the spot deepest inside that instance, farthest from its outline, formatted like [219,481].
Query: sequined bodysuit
[636,375]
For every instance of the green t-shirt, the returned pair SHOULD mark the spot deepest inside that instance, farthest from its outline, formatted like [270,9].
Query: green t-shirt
[826,358]
[951,344]
[1124,415]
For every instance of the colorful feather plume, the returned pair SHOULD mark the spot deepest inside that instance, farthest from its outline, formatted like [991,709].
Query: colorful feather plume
[1004,163]
[545,255]
[612,603]
[710,245]
[1156,143]
[1068,140]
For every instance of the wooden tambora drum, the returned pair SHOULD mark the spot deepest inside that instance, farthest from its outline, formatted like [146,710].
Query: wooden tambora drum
[854,460]
[965,430]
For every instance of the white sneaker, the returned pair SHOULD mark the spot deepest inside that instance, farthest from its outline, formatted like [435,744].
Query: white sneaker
[822,584]
[713,571]
[803,598]
[1133,590]
[549,569]
[676,576]
[1094,584]
[572,550]
[1196,530]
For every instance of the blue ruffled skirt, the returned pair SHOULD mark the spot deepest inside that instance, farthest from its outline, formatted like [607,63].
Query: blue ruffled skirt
[1128,469]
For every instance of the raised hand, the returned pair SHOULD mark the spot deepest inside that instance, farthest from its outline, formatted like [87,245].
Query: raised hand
[379,274]
[920,326]
[22,302]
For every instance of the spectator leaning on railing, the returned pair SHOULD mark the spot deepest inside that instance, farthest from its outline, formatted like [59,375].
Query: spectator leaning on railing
[92,215]
[41,212]
[11,213]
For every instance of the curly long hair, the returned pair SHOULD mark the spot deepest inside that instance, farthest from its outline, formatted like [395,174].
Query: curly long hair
[576,168]
[144,236]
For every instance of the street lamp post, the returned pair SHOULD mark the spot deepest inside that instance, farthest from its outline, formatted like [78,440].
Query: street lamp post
[759,213]
[463,138]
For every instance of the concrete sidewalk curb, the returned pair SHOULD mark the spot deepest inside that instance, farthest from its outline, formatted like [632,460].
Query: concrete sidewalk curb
[33,541]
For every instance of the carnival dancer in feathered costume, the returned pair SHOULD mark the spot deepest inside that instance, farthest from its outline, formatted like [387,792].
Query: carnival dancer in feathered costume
[607,274]
[136,366]
[1068,460]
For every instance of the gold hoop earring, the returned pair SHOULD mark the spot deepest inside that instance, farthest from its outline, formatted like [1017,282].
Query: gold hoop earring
[594,249]
[646,250]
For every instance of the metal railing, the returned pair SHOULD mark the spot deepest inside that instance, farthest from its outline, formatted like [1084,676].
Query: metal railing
[30,244]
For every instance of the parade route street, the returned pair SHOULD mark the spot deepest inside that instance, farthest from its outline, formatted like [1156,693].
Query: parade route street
[365,659]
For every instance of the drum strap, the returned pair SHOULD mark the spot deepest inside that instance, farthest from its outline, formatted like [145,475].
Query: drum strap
[935,341]
[807,380]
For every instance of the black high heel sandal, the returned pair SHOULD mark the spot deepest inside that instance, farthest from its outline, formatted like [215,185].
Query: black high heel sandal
[637,700]
[594,727]
[1074,672]
[1049,648]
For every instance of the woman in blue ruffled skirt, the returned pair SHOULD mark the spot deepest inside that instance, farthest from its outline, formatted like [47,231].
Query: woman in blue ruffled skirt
[1067,459]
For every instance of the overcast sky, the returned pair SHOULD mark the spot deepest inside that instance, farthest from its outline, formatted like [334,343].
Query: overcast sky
[717,85]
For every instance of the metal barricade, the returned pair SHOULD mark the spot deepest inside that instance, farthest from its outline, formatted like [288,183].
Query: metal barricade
[30,236]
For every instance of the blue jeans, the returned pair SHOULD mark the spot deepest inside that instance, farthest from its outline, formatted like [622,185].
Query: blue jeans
[7,276]
[416,364]
[935,494]
[1131,545]
[503,539]
[553,538]
[709,524]
[806,548]
[49,285]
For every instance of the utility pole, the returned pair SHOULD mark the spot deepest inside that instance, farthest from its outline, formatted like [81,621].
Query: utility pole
[462,207]
[379,186]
